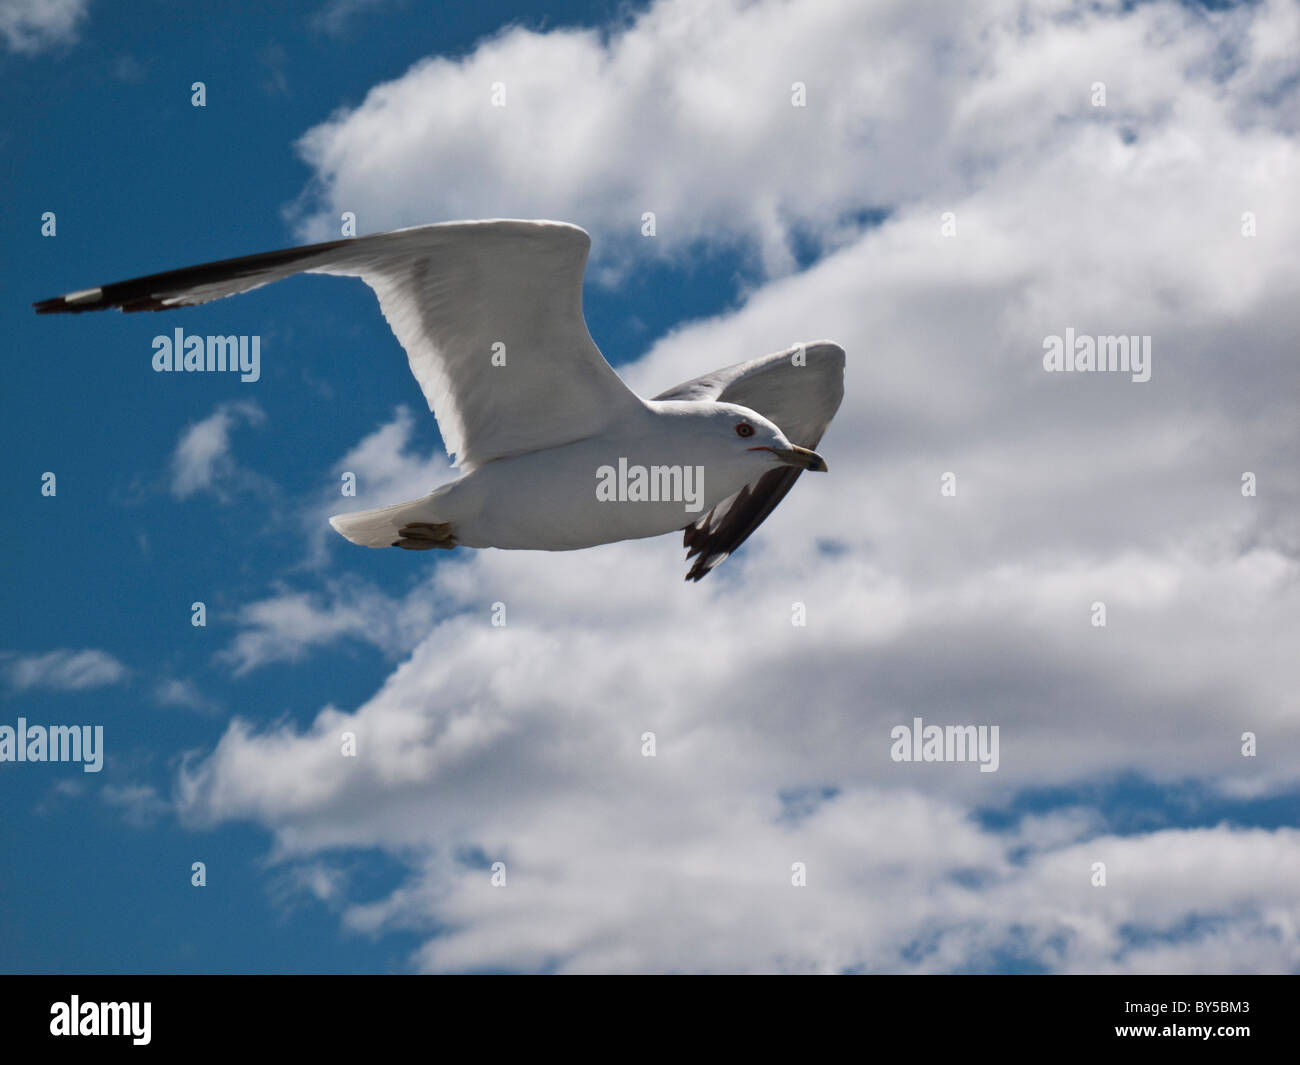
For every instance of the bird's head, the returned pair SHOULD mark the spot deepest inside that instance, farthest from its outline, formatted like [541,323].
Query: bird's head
[747,432]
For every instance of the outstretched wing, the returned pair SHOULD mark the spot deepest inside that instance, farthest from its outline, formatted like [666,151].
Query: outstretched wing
[490,315]
[799,394]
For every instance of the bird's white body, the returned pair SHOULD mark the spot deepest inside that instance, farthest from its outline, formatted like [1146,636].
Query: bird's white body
[548,500]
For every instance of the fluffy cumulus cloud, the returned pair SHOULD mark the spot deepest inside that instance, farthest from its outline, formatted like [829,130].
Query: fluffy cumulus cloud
[523,743]
[31,26]
[690,113]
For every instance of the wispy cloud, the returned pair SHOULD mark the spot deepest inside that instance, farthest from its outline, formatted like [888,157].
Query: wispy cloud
[129,69]
[173,691]
[63,670]
[285,627]
[202,461]
[31,26]
[335,16]
[140,804]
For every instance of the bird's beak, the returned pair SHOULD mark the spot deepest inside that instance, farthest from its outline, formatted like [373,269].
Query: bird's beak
[800,456]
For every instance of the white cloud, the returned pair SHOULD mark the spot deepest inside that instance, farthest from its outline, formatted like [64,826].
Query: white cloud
[173,691]
[521,743]
[386,466]
[202,460]
[285,626]
[335,16]
[60,793]
[687,112]
[64,670]
[312,881]
[140,804]
[32,26]
[675,114]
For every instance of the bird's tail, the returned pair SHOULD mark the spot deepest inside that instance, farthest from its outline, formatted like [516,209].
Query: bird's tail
[387,526]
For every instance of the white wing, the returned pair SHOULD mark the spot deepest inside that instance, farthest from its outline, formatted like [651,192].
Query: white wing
[801,399]
[450,292]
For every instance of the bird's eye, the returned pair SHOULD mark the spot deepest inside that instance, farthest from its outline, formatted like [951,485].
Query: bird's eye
[744,429]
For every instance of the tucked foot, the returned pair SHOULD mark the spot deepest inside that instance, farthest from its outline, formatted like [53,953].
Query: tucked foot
[424,536]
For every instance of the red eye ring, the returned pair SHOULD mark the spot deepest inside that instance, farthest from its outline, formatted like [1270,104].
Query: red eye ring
[744,429]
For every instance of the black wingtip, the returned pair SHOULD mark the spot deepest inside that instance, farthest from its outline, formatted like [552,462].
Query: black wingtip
[72,305]
[60,305]
[148,293]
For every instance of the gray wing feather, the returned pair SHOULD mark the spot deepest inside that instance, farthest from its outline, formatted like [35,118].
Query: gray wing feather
[452,293]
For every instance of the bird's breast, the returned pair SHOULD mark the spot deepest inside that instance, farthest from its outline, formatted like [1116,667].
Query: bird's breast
[583,494]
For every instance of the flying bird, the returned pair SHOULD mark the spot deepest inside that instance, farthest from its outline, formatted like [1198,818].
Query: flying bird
[555,452]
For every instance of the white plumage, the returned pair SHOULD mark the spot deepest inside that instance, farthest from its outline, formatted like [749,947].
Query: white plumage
[490,316]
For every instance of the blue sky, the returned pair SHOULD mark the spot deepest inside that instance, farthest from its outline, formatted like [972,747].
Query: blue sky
[775,226]
[101,132]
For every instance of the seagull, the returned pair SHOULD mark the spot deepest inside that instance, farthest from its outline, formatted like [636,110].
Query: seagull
[555,452]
